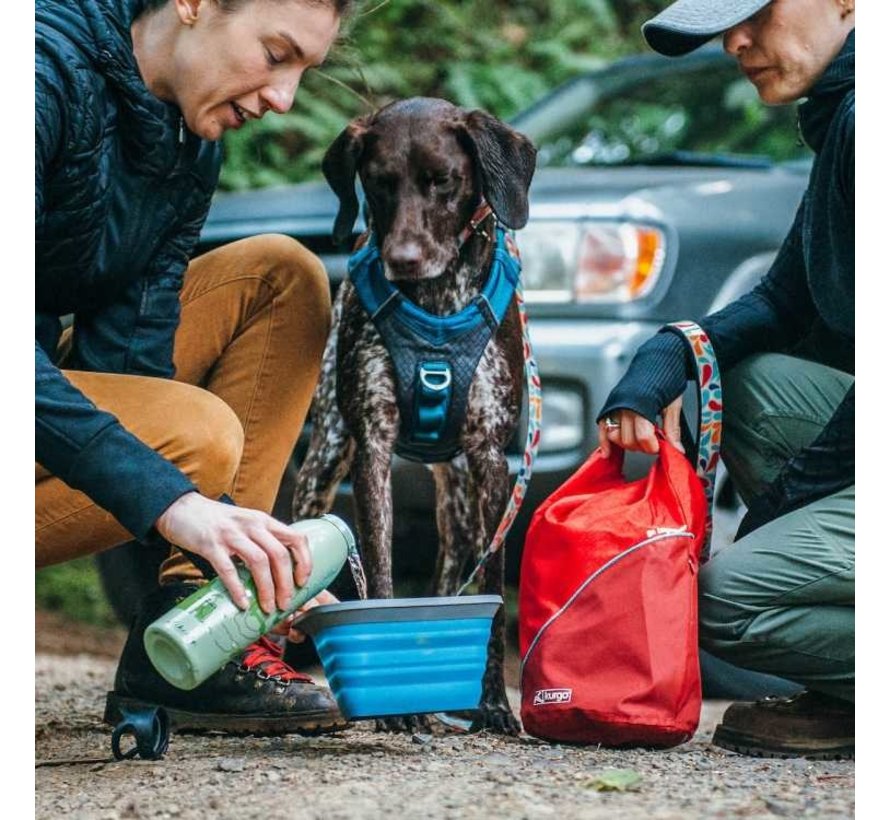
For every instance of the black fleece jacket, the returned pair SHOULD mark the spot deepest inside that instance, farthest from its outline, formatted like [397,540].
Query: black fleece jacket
[803,306]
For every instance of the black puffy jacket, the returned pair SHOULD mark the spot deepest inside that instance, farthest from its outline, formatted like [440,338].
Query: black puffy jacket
[122,191]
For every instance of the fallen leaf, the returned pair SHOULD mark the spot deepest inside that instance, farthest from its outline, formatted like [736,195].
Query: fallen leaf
[616,780]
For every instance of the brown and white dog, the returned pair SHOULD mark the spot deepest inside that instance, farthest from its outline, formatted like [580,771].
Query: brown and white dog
[424,165]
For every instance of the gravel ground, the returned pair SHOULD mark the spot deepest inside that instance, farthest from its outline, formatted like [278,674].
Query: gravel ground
[359,773]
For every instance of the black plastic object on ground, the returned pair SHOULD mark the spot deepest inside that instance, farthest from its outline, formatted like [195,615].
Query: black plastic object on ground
[150,729]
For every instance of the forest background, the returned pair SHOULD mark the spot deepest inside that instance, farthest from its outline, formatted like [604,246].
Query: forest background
[491,54]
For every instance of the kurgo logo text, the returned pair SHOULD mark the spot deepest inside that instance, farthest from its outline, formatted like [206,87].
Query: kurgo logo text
[544,697]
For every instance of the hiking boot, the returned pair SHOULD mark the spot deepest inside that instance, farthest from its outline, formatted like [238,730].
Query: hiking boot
[255,693]
[808,724]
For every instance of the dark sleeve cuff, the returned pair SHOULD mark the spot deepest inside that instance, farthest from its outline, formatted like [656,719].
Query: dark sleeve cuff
[656,376]
[129,479]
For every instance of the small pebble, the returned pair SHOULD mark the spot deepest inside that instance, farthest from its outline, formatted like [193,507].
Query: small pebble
[776,807]
[231,764]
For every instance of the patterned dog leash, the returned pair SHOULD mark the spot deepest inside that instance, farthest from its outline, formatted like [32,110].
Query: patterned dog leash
[710,427]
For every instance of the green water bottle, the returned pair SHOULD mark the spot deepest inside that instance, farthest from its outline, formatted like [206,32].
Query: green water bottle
[206,630]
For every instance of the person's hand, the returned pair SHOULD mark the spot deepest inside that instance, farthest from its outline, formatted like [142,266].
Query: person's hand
[295,635]
[276,555]
[631,431]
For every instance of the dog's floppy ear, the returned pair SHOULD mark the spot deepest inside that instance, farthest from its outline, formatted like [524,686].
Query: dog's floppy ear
[506,162]
[339,167]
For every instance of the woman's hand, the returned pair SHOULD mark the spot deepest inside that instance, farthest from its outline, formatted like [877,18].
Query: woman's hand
[631,431]
[295,635]
[276,556]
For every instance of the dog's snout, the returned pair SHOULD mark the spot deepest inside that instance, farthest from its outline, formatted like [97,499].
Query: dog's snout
[405,260]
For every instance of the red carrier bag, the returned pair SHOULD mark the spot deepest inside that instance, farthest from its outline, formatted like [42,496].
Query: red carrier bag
[608,611]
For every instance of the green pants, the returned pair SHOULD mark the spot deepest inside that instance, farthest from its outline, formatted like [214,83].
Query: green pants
[781,599]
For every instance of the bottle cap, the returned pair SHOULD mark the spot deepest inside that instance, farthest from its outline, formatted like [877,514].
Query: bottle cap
[342,526]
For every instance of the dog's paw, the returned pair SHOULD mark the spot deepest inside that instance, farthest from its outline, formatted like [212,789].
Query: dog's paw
[497,718]
[403,724]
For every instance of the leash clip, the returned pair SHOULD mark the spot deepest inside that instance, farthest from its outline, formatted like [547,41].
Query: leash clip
[474,227]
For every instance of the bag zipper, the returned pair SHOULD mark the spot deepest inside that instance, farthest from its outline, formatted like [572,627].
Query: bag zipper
[590,579]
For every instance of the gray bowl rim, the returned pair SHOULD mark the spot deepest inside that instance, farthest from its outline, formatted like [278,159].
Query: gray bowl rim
[392,610]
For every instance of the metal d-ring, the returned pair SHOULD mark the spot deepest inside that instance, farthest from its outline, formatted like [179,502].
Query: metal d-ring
[444,375]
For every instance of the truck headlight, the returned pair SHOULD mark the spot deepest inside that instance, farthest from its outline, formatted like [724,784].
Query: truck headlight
[590,260]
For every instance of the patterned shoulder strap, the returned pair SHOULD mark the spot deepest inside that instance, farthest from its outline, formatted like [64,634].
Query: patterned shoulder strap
[710,427]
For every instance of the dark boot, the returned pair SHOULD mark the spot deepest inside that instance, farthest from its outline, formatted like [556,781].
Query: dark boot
[256,693]
[808,724]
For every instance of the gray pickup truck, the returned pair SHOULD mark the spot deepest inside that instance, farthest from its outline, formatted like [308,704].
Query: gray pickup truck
[663,191]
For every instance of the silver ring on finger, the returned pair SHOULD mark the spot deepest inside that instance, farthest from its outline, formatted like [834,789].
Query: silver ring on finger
[610,423]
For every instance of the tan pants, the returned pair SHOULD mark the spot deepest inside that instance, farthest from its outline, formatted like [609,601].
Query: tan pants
[247,353]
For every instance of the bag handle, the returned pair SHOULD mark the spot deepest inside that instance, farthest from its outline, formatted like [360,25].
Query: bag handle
[710,414]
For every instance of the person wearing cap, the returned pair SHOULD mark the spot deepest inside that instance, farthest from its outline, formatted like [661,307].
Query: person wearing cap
[780,599]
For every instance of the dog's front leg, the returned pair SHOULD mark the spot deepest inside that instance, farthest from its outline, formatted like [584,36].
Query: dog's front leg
[494,708]
[489,491]
[454,523]
[371,472]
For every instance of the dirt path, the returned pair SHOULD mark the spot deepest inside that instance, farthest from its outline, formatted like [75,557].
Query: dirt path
[362,774]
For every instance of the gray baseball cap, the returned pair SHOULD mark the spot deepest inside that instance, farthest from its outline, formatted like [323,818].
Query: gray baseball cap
[687,24]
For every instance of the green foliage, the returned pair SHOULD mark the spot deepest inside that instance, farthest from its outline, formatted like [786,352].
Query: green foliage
[708,112]
[491,54]
[74,589]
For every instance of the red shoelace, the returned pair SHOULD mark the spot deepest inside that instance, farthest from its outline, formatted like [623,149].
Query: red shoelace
[266,655]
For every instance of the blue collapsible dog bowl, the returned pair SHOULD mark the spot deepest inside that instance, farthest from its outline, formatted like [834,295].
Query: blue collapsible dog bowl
[403,656]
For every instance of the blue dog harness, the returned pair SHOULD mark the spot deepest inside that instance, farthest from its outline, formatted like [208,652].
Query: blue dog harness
[435,357]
